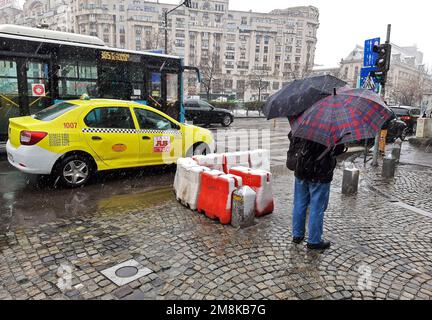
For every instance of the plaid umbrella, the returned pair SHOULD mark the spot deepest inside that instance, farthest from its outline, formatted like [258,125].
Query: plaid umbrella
[349,115]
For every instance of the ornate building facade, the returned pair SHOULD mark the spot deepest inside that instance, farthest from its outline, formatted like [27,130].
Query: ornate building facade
[243,54]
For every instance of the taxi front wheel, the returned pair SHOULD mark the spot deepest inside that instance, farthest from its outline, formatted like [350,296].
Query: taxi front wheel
[74,171]
[199,149]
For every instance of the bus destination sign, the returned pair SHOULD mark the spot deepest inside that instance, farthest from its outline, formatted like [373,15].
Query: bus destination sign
[115,56]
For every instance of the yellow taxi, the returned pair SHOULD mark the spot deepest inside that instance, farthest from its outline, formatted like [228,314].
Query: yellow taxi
[74,139]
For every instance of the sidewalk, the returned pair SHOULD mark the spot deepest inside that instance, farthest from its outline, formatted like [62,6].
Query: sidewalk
[380,251]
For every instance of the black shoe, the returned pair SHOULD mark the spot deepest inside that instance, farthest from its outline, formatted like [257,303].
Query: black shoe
[298,240]
[324,245]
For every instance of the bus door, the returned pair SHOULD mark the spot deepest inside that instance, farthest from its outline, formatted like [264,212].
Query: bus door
[9,94]
[154,89]
[164,92]
[38,85]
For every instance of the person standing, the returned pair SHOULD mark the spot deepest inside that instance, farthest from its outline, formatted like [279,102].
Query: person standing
[314,170]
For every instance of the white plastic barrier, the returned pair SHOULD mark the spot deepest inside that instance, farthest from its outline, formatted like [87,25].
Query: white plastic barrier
[259,159]
[243,208]
[182,164]
[261,182]
[189,185]
[235,159]
[211,161]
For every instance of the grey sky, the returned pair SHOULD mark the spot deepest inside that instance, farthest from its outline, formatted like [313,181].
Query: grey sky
[345,23]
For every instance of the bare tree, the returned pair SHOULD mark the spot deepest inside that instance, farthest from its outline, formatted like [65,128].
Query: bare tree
[257,80]
[209,67]
[409,93]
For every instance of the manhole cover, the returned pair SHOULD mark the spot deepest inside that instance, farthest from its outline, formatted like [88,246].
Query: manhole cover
[126,272]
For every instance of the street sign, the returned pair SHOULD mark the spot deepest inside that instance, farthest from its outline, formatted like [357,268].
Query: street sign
[368,82]
[370,57]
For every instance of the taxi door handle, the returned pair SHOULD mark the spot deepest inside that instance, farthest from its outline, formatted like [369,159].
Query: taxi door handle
[96,138]
[146,138]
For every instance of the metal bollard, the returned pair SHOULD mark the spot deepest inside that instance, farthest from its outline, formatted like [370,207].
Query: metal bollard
[396,151]
[389,168]
[350,181]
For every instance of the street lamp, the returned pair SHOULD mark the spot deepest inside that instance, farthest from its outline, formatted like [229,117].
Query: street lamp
[186,3]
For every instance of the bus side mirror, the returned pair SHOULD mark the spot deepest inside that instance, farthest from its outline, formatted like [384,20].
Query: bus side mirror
[198,73]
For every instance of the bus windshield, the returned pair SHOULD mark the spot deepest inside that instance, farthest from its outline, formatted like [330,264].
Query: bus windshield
[54,111]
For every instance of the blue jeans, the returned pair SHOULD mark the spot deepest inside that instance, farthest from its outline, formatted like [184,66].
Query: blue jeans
[313,195]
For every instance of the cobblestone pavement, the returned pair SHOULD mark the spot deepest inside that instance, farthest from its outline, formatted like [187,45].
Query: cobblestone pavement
[412,183]
[380,251]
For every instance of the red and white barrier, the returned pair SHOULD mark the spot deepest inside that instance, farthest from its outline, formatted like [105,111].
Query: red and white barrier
[261,182]
[259,160]
[235,159]
[215,198]
[211,161]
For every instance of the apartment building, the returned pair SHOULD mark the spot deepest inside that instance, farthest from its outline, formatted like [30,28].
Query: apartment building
[247,55]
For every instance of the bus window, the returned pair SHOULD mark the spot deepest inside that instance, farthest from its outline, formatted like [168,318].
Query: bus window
[39,96]
[77,78]
[173,105]
[9,104]
[136,77]
[114,83]
[155,92]
[172,88]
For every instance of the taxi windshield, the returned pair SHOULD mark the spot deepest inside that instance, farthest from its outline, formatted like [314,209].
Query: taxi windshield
[54,111]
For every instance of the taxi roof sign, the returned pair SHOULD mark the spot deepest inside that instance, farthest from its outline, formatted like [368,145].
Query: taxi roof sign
[85,96]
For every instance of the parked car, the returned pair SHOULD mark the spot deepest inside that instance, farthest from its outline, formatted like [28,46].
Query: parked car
[201,112]
[409,115]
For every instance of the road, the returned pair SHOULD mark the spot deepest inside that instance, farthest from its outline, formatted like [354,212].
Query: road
[29,200]
[384,230]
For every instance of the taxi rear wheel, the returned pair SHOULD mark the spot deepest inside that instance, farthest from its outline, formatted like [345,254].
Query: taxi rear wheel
[74,171]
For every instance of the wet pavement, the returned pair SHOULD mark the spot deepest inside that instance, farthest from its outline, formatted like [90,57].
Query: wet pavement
[381,249]
[28,200]
[413,155]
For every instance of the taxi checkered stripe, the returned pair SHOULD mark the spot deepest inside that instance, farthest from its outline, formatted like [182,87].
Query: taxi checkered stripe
[160,132]
[106,130]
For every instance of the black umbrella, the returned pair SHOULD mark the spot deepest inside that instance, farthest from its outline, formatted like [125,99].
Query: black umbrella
[295,98]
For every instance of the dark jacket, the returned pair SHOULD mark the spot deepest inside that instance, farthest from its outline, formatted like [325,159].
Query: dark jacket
[318,163]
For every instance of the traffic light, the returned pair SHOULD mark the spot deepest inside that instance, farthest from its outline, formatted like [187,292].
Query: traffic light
[379,76]
[384,56]
[382,63]
[187,3]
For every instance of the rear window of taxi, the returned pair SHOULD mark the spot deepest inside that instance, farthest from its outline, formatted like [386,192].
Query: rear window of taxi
[55,111]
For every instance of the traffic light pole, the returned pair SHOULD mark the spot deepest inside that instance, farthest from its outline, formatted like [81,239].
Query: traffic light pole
[383,92]
[187,4]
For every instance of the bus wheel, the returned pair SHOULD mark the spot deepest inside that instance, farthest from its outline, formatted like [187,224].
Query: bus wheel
[74,171]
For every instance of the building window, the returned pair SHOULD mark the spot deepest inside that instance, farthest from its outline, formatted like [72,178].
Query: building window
[219,7]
